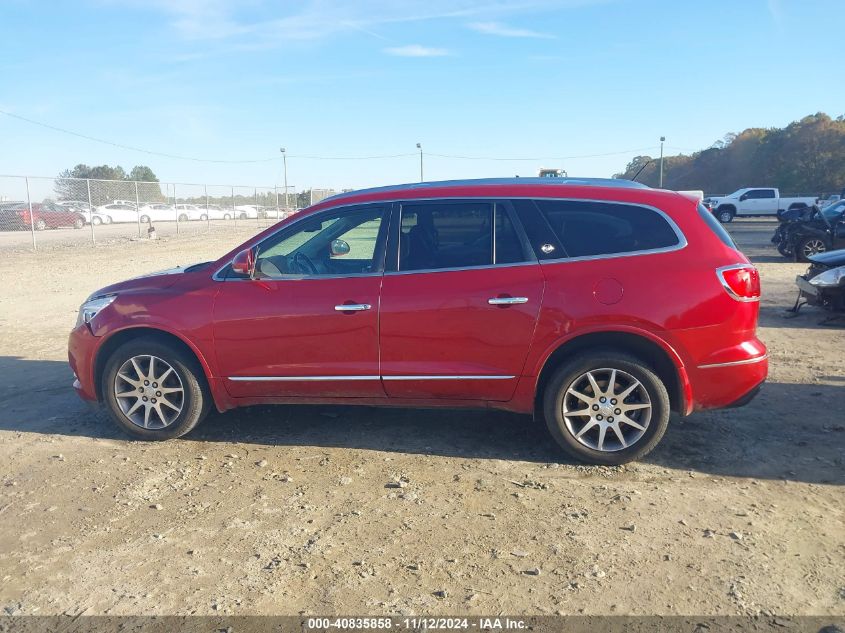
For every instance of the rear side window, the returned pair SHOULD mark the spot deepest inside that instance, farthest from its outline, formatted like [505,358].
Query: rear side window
[716,227]
[586,228]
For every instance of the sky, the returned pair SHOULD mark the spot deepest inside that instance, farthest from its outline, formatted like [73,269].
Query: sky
[221,85]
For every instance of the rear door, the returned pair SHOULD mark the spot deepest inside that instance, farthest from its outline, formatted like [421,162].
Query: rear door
[459,301]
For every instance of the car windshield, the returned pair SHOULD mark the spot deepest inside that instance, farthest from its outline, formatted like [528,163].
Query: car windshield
[834,211]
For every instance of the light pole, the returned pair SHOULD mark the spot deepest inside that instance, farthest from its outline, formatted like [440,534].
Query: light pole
[285,161]
[662,138]
[419,147]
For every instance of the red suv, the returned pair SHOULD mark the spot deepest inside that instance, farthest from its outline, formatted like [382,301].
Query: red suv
[599,305]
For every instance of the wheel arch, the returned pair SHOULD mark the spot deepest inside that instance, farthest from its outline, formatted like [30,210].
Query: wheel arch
[119,337]
[657,354]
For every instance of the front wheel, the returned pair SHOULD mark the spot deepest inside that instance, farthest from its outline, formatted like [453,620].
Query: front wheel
[808,247]
[78,223]
[227,216]
[725,216]
[40,225]
[145,219]
[96,220]
[183,218]
[783,249]
[606,407]
[154,391]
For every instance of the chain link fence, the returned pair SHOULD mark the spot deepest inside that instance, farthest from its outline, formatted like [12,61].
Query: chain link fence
[37,210]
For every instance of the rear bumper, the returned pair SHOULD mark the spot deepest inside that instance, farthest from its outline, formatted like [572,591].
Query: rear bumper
[729,384]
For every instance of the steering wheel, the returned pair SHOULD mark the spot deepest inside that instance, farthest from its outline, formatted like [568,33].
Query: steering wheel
[304,263]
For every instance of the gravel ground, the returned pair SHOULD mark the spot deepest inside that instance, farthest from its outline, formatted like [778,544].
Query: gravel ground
[327,510]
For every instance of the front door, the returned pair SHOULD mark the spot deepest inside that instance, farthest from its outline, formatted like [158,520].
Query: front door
[307,324]
[458,309]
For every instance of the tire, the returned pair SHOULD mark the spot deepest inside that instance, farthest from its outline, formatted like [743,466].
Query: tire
[810,246]
[193,402]
[78,223]
[107,220]
[784,250]
[183,218]
[725,215]
[96,220]
[145,219]
[40,225]
[227,216]
[242,216]
[653,416]
[204,218]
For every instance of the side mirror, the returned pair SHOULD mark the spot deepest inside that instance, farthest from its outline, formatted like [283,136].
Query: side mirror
[339,248]
[743,197]
[244,263]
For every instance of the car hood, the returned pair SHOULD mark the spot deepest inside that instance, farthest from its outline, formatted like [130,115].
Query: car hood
[151,281]
[833,259]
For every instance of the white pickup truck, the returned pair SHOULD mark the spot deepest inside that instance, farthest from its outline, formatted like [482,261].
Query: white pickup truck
[756,201]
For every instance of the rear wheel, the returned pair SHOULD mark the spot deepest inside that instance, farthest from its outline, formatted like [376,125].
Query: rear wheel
[606,407]
[96,221]
[810,246]
[145,219]
[243,216]
[183,218]
[204,217]
[78,223]
[154,391]
[227,216]
[40,225]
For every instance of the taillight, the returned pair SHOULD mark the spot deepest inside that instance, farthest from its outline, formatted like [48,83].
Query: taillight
[741,281]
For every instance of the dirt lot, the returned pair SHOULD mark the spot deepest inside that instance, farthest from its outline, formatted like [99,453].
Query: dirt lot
[285,510]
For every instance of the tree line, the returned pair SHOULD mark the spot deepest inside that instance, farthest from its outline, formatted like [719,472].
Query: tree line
[806,156]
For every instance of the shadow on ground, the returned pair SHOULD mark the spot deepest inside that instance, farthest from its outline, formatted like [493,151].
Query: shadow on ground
[790,431]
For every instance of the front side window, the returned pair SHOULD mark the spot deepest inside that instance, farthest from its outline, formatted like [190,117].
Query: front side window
[586,228]
[342,242]
[459,234]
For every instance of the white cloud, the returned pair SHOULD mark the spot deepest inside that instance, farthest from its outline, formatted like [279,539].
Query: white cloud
[415,50]
[503,30]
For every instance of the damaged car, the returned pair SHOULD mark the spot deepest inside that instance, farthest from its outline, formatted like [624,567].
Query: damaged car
[823,284]
[803,233]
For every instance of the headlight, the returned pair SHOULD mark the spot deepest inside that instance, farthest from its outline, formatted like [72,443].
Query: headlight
[829,278]
[91,307]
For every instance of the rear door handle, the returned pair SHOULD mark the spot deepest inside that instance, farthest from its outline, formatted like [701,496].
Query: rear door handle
[506,301]
[353,307]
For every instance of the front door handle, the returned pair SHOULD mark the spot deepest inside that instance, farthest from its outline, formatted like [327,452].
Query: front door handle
[506,301]
[353,307]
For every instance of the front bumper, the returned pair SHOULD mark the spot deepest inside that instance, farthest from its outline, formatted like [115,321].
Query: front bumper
[81,350]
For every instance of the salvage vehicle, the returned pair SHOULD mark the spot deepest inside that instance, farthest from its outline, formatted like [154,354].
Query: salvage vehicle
[597,305]
[760,201]
[44,215]
[823,284]
[803,233]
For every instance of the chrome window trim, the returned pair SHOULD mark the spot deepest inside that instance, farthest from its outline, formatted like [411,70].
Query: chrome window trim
[682,240]
[457,269]
[326,378]
[747,361]
[720,273]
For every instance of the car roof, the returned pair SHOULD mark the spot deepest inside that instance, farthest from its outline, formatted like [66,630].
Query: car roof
[483,182]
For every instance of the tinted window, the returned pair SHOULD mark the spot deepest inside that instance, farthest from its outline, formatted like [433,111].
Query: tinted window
[508,244]
[716,226]
[540,235]
[445,235]
[602,228]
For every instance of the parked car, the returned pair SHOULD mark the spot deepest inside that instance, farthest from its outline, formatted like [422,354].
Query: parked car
[186,212]
[157,212]
[216,212]
[45,215]
[599,305]
[247,212]
[85,210]
[116,212]
[823,284]
[755,202]
[806,232]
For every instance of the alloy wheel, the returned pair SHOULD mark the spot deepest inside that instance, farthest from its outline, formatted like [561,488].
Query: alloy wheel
[606,409]
[149,392]
[813,247]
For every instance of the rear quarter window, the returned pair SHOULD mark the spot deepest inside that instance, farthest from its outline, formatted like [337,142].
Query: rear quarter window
[716,227]
[590,228]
